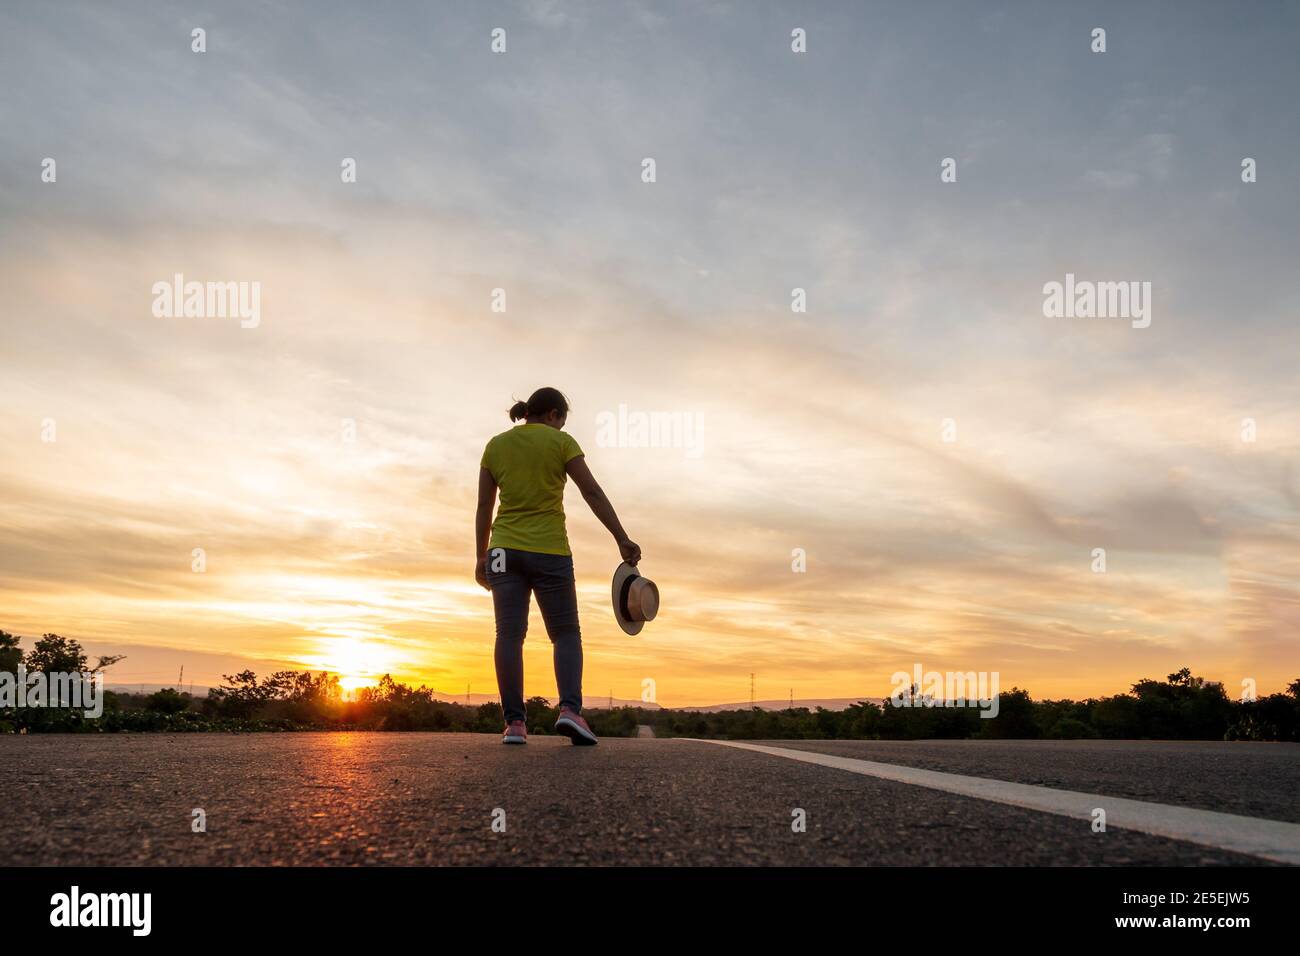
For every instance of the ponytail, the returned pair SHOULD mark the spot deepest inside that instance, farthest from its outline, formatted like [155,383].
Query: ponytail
[518,410]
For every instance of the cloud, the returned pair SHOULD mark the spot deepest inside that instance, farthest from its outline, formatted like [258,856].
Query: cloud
[822,430]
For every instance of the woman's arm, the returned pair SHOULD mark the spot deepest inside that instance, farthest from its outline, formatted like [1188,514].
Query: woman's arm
[595,497]
[487,497]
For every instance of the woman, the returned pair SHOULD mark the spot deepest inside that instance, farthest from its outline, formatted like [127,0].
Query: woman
[529,552]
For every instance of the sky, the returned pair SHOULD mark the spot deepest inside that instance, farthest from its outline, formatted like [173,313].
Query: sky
[947,457]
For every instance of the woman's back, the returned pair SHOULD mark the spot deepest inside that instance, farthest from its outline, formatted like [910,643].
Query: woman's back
[527,462]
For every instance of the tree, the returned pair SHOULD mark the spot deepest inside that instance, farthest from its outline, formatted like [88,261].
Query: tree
[306,687]
[539,715]
[241,696]
[1015,719]
[167,701]
[11,655]
[54,654]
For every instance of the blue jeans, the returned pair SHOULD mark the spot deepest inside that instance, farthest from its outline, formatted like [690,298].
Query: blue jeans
[550,577]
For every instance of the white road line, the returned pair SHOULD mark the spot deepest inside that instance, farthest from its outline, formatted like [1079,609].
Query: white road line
[1268,839]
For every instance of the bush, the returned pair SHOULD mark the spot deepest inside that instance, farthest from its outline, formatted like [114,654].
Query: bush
[1068,728]
[167,701]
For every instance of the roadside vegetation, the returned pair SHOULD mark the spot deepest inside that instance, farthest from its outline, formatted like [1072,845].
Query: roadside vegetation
[1180,707]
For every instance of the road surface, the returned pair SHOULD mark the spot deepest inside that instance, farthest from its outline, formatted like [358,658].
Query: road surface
[417,799]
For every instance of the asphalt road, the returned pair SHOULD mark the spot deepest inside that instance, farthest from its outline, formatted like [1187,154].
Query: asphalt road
[419,799]
[1250,779]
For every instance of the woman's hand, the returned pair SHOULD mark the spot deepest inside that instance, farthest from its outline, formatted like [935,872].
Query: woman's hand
[480,573]
[630,550]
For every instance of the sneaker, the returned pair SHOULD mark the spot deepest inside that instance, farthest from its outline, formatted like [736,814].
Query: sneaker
[515,733]
[575,728]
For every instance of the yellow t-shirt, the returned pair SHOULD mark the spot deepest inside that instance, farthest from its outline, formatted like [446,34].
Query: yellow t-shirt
[528,464]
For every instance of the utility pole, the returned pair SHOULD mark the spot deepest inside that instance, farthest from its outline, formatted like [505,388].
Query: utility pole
[467,686]
[751,690]
[792,698]
[611,698]
[180,681]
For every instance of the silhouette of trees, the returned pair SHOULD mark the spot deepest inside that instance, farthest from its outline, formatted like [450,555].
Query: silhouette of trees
[167,701]
[242,695]
[55,654]
[11,655]
[1015,719]
[50,654]
[1180,707]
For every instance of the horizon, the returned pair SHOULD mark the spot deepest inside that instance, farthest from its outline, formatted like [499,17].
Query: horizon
[942,456]
[601,701]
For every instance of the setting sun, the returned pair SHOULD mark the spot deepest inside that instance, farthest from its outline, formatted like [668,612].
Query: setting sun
[357,662]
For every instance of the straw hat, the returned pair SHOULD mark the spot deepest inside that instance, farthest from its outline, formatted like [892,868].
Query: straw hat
[636,599]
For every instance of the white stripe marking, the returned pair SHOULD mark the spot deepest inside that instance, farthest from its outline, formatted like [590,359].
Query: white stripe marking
[1268,839]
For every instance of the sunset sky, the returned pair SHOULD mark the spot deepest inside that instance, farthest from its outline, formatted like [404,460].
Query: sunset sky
[821,430]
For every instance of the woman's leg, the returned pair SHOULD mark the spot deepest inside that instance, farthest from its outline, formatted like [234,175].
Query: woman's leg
[557,598]
[510,601]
